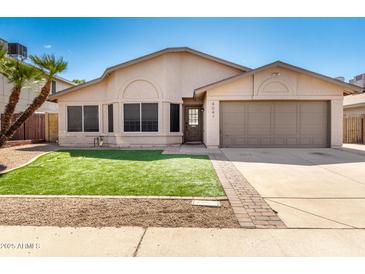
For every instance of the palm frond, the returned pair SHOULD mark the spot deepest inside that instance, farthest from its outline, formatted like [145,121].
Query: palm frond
[49,64]
[19,73]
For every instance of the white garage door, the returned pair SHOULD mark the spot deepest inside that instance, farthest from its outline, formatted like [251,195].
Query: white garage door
[274,124]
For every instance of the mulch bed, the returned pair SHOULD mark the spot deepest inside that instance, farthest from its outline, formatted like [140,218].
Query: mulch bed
[81,212]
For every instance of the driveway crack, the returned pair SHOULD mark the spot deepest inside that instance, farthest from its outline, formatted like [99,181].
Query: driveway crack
[139,243]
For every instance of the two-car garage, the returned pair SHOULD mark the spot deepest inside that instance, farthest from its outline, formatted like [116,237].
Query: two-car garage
[274,123]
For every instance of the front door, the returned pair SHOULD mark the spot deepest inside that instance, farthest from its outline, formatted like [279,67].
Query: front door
[193,124]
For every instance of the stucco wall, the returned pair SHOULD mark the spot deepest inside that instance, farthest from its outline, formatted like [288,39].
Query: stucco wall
[275,84]
[164,79]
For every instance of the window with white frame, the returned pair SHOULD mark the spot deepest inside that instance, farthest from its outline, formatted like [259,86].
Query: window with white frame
[83,118]
[193,115]
[141,117]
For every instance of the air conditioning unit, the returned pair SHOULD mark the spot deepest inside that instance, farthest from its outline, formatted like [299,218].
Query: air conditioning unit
[17,50]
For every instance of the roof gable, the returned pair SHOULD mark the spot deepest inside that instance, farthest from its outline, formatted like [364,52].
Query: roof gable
[110,70]
[348,88]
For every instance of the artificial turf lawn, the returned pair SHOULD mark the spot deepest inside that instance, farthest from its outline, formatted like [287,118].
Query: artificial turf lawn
[114,172]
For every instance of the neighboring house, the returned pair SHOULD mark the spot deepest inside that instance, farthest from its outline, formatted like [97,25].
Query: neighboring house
[354,105]
[181,95]
[29,92]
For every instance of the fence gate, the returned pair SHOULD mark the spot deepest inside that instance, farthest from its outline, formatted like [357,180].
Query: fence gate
[353,130]
[51,123]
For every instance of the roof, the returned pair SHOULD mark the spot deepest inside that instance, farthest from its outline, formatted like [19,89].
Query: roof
[145,58]
[65,80]
[349,88]
[356,100]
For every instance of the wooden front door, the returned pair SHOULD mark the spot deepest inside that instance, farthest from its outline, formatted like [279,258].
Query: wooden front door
[193,124]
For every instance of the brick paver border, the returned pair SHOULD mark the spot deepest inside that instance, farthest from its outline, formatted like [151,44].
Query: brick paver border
[250,208]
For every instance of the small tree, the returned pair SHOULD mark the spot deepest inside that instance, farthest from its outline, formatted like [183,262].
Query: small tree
[49,67]
[78,81]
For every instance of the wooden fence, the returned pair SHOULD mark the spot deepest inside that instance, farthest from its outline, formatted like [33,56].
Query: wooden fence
[354,130]
[32,129]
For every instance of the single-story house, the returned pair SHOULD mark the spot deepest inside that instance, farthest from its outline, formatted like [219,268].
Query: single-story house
[180,95]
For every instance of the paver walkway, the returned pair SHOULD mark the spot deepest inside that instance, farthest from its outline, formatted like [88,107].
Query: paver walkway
[250,208]
[12,157]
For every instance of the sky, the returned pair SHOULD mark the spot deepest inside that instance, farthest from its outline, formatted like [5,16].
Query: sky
[330,46]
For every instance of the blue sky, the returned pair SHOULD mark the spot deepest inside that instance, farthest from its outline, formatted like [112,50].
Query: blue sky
[331,46]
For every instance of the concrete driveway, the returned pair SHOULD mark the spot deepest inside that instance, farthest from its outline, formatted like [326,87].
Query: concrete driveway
[309,188]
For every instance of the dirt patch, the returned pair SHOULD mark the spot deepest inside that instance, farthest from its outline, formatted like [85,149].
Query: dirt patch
[77,212]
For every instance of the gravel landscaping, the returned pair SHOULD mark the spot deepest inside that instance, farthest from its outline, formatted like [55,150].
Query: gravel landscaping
[11,157]
[78,212]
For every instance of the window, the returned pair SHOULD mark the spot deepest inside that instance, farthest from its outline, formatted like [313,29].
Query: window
[110,118]
[174,117]
[141,117]
[91,119]
[74,118]
[82,118]
[132,117]
[149,117]
[193,116]
[54,86]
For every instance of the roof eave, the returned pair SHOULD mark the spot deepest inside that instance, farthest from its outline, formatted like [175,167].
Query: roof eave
[361,104]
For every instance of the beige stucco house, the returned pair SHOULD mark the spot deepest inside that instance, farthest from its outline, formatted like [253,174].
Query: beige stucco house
[181,95]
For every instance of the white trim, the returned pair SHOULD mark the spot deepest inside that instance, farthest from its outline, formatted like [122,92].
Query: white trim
[272,97]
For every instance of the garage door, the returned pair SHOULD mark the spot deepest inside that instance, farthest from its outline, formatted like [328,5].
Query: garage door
[274,124]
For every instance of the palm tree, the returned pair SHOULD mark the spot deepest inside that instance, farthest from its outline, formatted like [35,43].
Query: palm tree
[18,74]
[49,66]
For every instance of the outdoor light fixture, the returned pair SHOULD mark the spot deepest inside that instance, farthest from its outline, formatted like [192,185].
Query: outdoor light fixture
[275,73]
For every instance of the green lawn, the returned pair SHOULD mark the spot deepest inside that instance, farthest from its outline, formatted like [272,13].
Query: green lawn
[114,172]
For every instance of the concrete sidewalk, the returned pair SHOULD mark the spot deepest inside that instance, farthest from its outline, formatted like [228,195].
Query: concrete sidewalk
[137,241]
